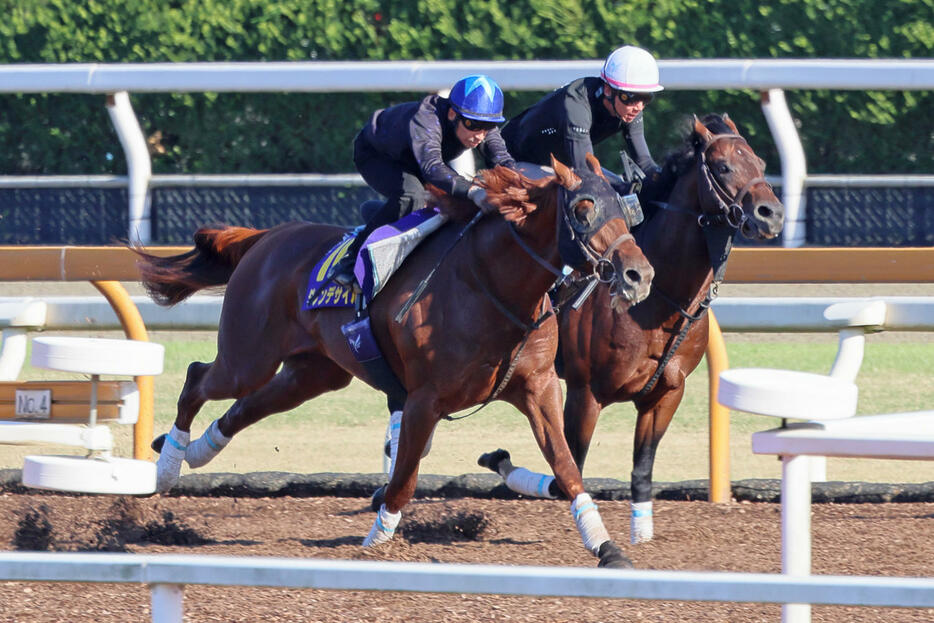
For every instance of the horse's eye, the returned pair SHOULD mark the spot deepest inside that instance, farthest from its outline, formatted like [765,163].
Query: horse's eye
[724,169]
[583,213]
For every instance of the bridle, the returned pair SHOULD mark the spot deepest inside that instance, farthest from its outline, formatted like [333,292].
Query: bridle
[719,207]
[720,219]
[576,234]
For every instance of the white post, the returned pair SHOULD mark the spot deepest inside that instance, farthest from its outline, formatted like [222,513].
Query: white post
[139,166]
[12,353]
[167,603]
[794,167]
[796,529]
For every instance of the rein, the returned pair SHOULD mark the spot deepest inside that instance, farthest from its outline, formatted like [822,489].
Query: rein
[527,327]
[424,283]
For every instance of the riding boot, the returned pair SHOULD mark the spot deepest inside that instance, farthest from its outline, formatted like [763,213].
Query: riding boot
[342,271]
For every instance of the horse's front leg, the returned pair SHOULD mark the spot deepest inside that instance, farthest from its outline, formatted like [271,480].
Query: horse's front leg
[581,412]
[651,424]
[547,420]
[419,417]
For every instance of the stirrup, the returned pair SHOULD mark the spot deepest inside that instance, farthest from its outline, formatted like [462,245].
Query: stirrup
[342,272]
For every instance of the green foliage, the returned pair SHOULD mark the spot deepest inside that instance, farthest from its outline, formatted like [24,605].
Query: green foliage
[842,131]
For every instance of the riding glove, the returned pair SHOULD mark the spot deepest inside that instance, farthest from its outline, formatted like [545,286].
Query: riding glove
[478,196]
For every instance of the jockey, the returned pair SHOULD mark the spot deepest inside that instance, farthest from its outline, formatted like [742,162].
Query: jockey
[405,146]
[570,120]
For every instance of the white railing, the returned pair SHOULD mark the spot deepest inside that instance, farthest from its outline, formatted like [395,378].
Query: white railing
[167,574]
[736,314]
[766,76]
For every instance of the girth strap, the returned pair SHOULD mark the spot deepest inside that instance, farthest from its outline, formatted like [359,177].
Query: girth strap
[689,320]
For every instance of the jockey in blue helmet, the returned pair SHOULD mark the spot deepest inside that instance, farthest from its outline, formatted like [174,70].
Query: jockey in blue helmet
[406,146]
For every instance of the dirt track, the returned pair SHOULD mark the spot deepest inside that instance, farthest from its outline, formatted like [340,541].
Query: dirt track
[863,539]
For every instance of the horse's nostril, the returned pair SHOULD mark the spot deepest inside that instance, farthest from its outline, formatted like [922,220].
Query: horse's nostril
[633,276]
[764,212]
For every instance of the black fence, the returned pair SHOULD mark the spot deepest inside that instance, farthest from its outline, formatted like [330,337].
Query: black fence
[853,217]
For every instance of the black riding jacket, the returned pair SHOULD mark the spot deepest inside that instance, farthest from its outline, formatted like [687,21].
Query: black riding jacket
[568,122]
[420,138]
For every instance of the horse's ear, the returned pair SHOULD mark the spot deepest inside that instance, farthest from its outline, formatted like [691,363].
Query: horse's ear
[594,164]
[701,133]
[729,122]
[566,177]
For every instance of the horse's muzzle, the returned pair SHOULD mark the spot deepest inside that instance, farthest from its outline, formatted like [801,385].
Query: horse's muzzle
[765,222]
[633,280]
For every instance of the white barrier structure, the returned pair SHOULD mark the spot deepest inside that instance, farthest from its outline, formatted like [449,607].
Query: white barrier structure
[829,402]
[167,574]
[737,314]
[17,317]
[99,471]
[768,76]
[891,436]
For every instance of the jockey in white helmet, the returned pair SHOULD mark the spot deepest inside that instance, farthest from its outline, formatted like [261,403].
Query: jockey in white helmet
[569,121]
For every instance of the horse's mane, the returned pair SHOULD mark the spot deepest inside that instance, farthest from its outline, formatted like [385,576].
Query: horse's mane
[515,195]
[679,159]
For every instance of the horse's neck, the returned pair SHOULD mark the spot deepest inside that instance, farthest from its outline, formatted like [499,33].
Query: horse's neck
[507,269]
[675,246]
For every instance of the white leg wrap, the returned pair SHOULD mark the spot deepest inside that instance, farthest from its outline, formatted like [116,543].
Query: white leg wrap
[169,465]
[641,527]
[207,446]
[529,483]
[383,527]
[395,425]
[589,523]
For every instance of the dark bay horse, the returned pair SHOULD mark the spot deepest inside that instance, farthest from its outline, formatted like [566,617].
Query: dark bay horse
[460,344]
[645,352]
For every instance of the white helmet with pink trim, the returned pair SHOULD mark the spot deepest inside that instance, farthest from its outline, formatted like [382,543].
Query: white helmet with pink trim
[631,69]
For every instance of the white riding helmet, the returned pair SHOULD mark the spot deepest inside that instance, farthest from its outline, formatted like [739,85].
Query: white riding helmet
[631,69]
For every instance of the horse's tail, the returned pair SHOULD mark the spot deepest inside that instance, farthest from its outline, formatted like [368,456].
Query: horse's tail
[170,280]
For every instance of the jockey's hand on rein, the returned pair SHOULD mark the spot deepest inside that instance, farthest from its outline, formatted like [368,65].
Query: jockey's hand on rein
[478,196]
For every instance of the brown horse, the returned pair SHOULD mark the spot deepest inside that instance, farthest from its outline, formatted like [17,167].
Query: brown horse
[466,340]
[645,352]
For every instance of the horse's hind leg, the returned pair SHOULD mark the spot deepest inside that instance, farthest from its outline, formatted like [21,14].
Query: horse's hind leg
[173,445]
[301,378]
[205,381]
[580,417]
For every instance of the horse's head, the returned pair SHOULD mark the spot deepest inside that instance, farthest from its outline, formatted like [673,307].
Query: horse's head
[593,233]
[731,186]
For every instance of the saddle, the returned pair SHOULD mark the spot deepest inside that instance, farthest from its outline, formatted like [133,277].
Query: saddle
[380,257]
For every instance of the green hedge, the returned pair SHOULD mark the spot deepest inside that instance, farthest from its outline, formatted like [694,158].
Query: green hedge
[842,131]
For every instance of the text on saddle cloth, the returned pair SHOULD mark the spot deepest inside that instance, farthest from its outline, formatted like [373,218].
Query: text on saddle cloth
[379,258]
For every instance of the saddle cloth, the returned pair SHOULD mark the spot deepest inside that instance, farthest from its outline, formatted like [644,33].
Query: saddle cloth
[381,255]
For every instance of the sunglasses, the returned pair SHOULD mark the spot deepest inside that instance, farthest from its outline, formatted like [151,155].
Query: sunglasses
[477,126]
[632,98]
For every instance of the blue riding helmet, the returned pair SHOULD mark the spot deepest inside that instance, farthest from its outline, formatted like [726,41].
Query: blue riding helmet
[479,98]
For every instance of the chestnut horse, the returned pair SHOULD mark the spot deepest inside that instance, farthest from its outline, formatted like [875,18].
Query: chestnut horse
[645,353]
[466,340]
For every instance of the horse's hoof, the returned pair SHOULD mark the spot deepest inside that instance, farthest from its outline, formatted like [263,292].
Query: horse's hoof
[157,443]
[379,496]
[491,460]
[612,557]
